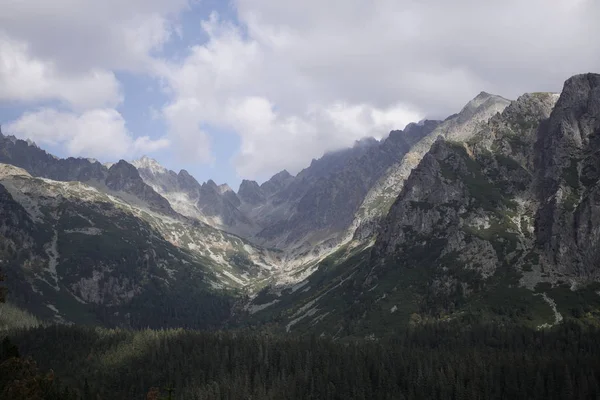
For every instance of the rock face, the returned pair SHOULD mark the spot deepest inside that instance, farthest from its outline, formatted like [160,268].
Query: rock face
[320,202]
[468,195]
[458,127]
[251,193]
[324,204]
[568,169]
[498,221]
[26,155]
[492,213]
[277,183]
[514,206]
[124,177]
[209,203]
[75,253]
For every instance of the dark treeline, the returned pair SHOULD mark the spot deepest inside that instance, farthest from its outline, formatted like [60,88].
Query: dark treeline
[431,362]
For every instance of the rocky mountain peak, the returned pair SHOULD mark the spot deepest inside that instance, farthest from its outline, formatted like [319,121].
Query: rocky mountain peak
[224,188]
[212,185]
[150,164]
[250,192]
[414,131]
[229,195]
[26,155]
[569,179]
[483,102]
[277,182]
[122,171]
[366,142]
[124,177]
[187,182]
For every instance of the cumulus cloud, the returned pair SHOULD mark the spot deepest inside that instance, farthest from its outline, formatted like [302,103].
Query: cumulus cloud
[184,118]
[300,79]
[98,133]
[25,78]
[433,54]
[238,83]
[79,35]
[68,51]
[292,79]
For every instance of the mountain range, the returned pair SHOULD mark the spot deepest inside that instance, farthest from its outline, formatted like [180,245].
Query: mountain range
[491,214]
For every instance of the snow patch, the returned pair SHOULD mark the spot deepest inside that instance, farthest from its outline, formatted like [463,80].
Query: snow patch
[85,231]
[234,278]
[293,322]
[52,252]
[259,307]
[299,286]
[557,316]
[53,308]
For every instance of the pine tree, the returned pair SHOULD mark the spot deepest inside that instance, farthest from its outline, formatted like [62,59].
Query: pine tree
[87,395]
[2,289]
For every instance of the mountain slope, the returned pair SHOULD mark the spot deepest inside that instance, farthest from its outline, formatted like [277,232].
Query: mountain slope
[459,127]
[26,155]
[497,227]
[490,215]
[78,254]
[209,203]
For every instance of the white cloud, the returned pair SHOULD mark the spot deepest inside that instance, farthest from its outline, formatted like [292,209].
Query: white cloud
[302,79]
[271,141]
[238,84]
[184,118]
[79,35]
[69,51]
[296,79]
[24,78]
[98,133]
[433,54]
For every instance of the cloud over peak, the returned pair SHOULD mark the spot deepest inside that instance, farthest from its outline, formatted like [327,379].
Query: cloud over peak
[291,79]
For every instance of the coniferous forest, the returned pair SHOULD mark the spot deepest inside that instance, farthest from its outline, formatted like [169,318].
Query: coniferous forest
[442,360]
[438,361]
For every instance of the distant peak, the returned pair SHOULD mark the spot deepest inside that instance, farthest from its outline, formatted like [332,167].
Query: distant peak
[184,173]
[123,167]
[224,188]
[365,142]
[150,164]
[483,96]
[486,100]
[281,175]
[31,143]
[250,192]
[121,163]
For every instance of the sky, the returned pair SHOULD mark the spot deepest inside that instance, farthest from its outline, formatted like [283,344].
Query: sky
[242,89]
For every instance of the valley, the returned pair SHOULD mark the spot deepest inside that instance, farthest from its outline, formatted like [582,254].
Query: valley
[436,222]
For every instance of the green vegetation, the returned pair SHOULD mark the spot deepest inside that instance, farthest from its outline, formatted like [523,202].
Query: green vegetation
[436,361]
[422,205]
[485,194]
[12,317]
[508,162]
[524,123]
[571,200]
[571,173]
[2,289]
[582,304]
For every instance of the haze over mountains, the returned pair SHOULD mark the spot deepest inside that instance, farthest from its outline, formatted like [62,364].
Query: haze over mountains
[438,220]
